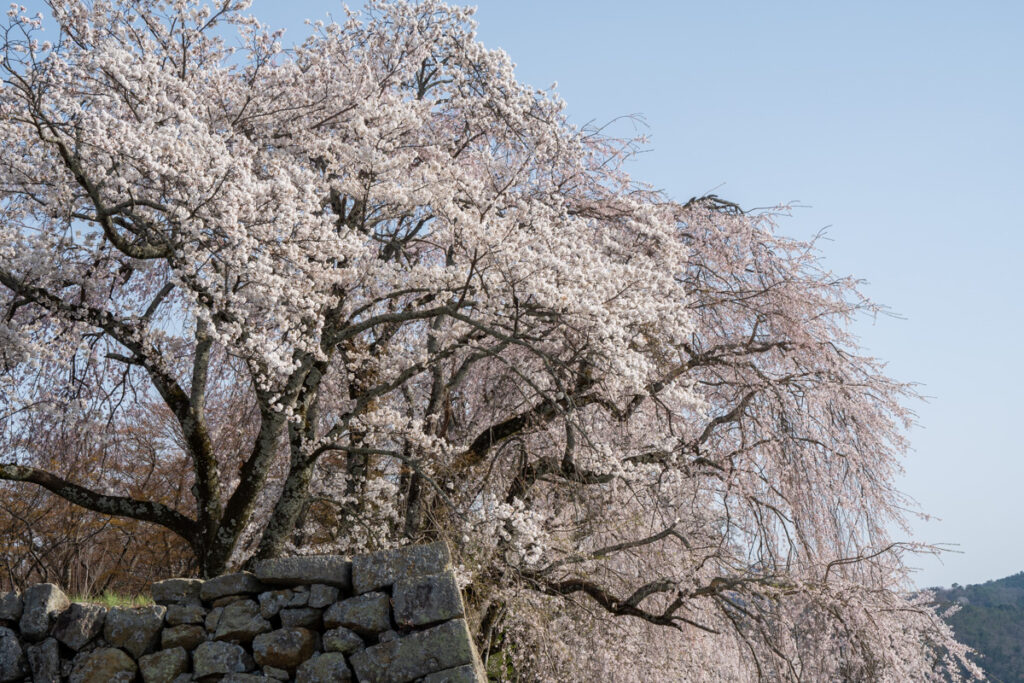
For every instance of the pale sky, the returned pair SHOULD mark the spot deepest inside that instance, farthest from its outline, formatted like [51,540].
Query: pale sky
[898,124]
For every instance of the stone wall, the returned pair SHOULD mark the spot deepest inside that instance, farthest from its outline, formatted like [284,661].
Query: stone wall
[390,617]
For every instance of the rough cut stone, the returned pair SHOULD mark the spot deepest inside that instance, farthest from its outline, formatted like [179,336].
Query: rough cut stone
[366,614]
[44,661]
[333,570]
[272,602]
[218,657]
[321,595]
[212,618]
[163,666]
[239,583]
[240,622]
[460,674]
[275,673]
[243,678]
[284,648]
[424,652]
[342,640]
[105,665]
[10,606]
[184,614]
[370,572]
[42,603]
[306,617]
[388,636]
[229,599]
[135,629]
[12,657]
[186,636]
[79,624]
[326,668]
[427,600]
[176,591]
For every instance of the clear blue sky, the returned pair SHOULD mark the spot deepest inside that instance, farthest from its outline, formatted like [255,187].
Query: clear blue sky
[898,124]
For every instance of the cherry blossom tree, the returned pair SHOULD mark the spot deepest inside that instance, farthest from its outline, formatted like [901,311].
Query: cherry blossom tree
[387,293]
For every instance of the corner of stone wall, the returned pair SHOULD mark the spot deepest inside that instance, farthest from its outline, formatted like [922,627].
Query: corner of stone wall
[394,616]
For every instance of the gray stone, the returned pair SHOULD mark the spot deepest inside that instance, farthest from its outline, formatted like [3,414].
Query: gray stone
[284,648]
[342,640]
[44,661]
[306,617]
[322,596]
[79,624]
[187,636]
[366,614]
[184,678]
[164,666]
[272,602]
[105,665]
[426,600]
[326,668]
[460,674]
[243,678]
[274,672]
[10,606]
[388,636]
[240,622]
[42,603]
[424,652]
[184,614]
[176,591]
[333,570]
[135,629]
[371,572]
[240,583]
[212,618]
[219,657]
[12,657]
[229,599]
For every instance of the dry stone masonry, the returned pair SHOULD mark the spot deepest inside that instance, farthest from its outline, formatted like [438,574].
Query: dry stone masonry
[389,617]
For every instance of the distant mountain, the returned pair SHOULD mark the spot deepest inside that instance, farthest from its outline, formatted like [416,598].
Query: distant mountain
[991,620]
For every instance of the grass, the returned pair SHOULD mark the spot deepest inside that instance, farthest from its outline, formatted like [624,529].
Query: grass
[112,599]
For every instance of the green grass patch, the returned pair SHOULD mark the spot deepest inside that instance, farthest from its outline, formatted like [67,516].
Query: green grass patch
[112,599]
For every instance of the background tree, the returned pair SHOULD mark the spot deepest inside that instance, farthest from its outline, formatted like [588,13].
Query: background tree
[386,293]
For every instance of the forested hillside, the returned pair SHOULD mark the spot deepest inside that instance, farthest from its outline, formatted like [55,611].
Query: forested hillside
[991,620]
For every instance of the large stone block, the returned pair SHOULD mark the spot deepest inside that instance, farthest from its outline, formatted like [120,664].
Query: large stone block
[377,570]
[427,600]
[442,647]
[326,668]
[306,617]
[44,661]
[105,665]
[177,615]
[10,606]
[134,629]
[239,583]
[163,666]
[12,657]
[284,648]
[79,624]
[217,657]
[332,570]
[186,636]
[176,591]
[240,622]
[43,602]
[321,595]
[367,614]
